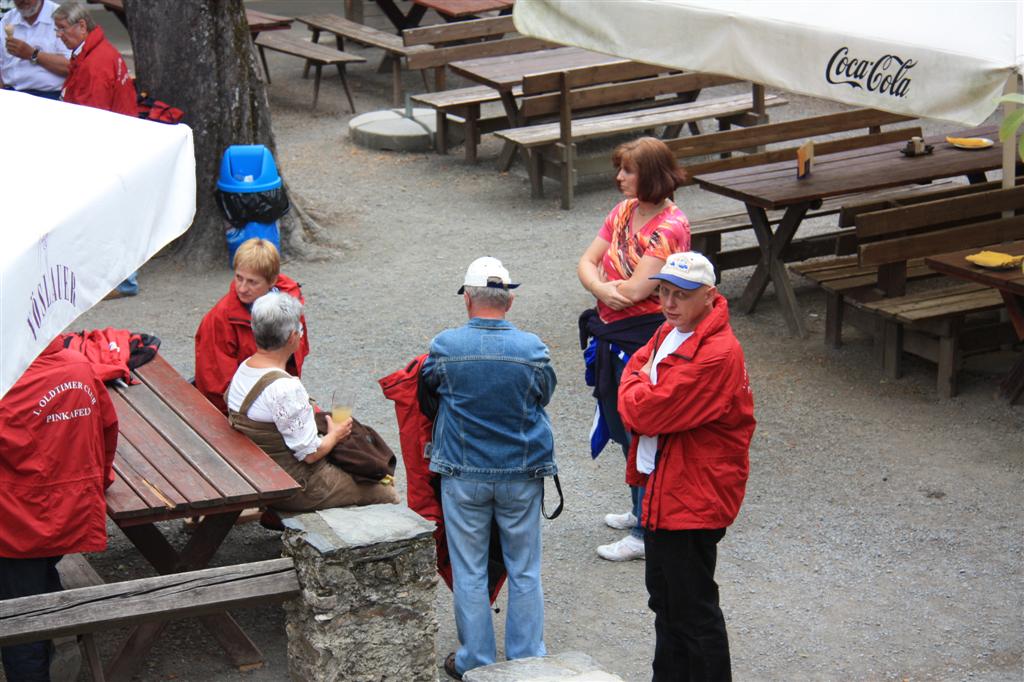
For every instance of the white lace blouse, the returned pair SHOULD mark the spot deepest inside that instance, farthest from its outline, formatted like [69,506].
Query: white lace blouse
[285,403]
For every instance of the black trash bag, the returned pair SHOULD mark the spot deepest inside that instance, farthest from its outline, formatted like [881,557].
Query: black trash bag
[253,207]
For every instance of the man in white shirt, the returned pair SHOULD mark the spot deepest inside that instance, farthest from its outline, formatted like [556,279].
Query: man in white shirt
[32,57]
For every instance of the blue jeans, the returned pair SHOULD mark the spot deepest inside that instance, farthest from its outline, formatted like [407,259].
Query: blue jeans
[469,506]
[130,286]
[28,662]
[618,433]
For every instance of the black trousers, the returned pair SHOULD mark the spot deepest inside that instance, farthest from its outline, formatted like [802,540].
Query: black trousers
[24,578]
[692,644]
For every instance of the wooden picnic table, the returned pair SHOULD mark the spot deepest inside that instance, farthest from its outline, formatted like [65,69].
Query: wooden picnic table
[258,21]
[1010,284]
[775,186]
[178,457]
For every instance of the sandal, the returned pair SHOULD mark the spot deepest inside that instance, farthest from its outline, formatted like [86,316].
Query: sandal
[449,667]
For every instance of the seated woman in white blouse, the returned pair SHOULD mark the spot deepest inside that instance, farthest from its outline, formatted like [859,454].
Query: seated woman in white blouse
[273,409]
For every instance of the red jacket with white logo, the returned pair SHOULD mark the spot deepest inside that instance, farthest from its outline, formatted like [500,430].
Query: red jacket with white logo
[58,433]
[224,340]
[702,411]
[98,77]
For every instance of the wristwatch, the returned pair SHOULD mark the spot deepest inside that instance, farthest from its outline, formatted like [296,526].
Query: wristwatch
[35,56]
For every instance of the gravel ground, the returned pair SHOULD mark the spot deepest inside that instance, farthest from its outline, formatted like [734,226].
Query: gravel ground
[881,536]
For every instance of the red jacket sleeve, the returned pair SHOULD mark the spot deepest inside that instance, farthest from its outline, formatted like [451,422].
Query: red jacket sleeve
[216,358]
[110,424]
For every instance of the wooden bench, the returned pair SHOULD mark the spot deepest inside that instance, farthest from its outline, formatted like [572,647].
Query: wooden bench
[939,322]
[343,29]
[89,607]
[734,146]
[318,56]
[474,39]
[641,96]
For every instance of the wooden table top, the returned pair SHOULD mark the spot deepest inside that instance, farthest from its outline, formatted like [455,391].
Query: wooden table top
[457,9]
[505,72]
[954,264]
[775,185]
[177,455]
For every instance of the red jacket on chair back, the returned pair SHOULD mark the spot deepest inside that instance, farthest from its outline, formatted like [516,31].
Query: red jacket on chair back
[58,433]
[702,411]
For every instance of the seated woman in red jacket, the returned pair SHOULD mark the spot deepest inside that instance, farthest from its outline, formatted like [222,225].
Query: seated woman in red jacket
[224,338]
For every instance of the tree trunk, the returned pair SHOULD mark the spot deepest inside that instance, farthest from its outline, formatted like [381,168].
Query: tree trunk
[198,56]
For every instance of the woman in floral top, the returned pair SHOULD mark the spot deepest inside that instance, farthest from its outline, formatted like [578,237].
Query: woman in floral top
[632,245]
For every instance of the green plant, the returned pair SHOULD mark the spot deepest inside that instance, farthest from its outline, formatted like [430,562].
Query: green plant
[1013,123]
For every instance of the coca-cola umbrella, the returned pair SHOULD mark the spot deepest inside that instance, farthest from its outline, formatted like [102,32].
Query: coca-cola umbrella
[943,60]
[88,196]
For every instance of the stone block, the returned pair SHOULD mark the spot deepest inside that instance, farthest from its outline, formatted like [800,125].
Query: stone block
[571,666]
[366,609]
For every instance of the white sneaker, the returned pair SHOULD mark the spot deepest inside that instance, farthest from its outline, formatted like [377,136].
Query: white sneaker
[626,549]
[620,521]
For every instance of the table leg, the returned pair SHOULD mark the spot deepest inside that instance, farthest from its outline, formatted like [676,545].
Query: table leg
[772,266]
[1012,387]
[515,120]
[196,554]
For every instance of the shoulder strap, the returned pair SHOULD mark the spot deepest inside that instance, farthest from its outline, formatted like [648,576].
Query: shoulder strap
[259,387]
[561,502]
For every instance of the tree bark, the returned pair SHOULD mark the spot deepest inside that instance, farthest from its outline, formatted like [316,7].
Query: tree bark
[198,56]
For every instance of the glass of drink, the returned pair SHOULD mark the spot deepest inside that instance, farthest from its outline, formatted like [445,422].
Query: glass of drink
[341,406]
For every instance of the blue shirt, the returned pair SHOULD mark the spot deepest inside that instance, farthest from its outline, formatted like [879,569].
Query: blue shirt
[493,382]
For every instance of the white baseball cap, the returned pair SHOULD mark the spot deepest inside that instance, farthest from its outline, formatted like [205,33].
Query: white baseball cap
[687,270]
[487,272]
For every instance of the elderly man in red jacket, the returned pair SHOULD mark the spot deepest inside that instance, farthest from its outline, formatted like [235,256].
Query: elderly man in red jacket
[58,432]
[686,395]
[98,76]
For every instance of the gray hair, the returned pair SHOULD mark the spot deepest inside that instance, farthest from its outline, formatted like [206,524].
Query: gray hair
[72,12]
[490,297]
[274,317]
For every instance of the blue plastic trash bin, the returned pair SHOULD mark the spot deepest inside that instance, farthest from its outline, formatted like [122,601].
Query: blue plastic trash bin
[251,195]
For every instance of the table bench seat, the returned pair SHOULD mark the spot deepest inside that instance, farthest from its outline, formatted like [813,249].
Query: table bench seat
[103,606]
[317,55]
[463,105]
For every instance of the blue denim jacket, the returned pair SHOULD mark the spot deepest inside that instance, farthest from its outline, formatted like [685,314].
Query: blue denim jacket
[493,382]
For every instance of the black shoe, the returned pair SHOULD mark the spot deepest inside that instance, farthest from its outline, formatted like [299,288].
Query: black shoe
[449,667]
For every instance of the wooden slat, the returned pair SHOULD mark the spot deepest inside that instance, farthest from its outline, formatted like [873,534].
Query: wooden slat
[769,133]
[76,571]
[303,48]
[147,482]
[789,153]
[459,30]
[123,503]
[881,202]
[204,459]
[939,241]
[242,454]
[441,56]
[539,83]
[360,33]
[148,441]
[944,211]
[597,126]
[460,97]
[931,305]
[102,607]
[616,93]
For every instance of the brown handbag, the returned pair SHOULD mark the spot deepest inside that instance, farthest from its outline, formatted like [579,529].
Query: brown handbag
[363,455]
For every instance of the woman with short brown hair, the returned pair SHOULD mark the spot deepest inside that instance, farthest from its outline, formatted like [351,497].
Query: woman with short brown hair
[632,245]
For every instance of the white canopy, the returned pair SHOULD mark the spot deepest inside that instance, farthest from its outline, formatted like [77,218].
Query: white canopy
[86,197]
[944,60]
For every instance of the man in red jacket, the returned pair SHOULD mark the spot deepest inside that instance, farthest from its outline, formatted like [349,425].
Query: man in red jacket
[98,76]
[686,395]
[58,432]
[224,338]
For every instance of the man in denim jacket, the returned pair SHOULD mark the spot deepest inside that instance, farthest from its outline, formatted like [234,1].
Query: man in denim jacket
[492,446]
